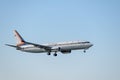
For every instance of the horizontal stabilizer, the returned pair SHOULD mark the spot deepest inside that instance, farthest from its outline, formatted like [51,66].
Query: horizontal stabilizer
[11,45]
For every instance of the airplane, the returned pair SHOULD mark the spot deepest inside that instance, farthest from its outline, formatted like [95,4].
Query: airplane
[63,47]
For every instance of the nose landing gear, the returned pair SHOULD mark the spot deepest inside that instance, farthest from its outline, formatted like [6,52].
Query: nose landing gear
[84,51]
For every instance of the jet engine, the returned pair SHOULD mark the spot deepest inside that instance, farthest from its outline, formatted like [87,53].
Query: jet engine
[62,50]
[65,51]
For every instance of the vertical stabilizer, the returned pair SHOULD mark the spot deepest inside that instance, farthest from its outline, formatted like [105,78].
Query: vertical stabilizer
[20,40]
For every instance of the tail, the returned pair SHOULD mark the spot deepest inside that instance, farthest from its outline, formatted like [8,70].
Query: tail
[20,40]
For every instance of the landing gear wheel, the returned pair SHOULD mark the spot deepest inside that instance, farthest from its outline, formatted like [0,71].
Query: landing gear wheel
[55,54]
[48,53]
[84,51]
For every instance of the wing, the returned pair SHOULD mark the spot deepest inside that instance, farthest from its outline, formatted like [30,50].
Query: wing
[39,46]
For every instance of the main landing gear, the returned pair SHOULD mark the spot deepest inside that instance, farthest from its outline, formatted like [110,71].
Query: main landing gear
[49,53]
[55,54]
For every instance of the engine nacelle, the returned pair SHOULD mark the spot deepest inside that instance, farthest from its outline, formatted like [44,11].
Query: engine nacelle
[65,51]
[62,50]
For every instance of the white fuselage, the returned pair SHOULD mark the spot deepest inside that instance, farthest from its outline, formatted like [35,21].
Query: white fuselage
[63,47]
[73,45]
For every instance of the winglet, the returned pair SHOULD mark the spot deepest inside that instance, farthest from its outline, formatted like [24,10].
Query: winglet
[20,40]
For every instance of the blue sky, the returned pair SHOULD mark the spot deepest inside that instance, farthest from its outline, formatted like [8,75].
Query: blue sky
[97,21]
